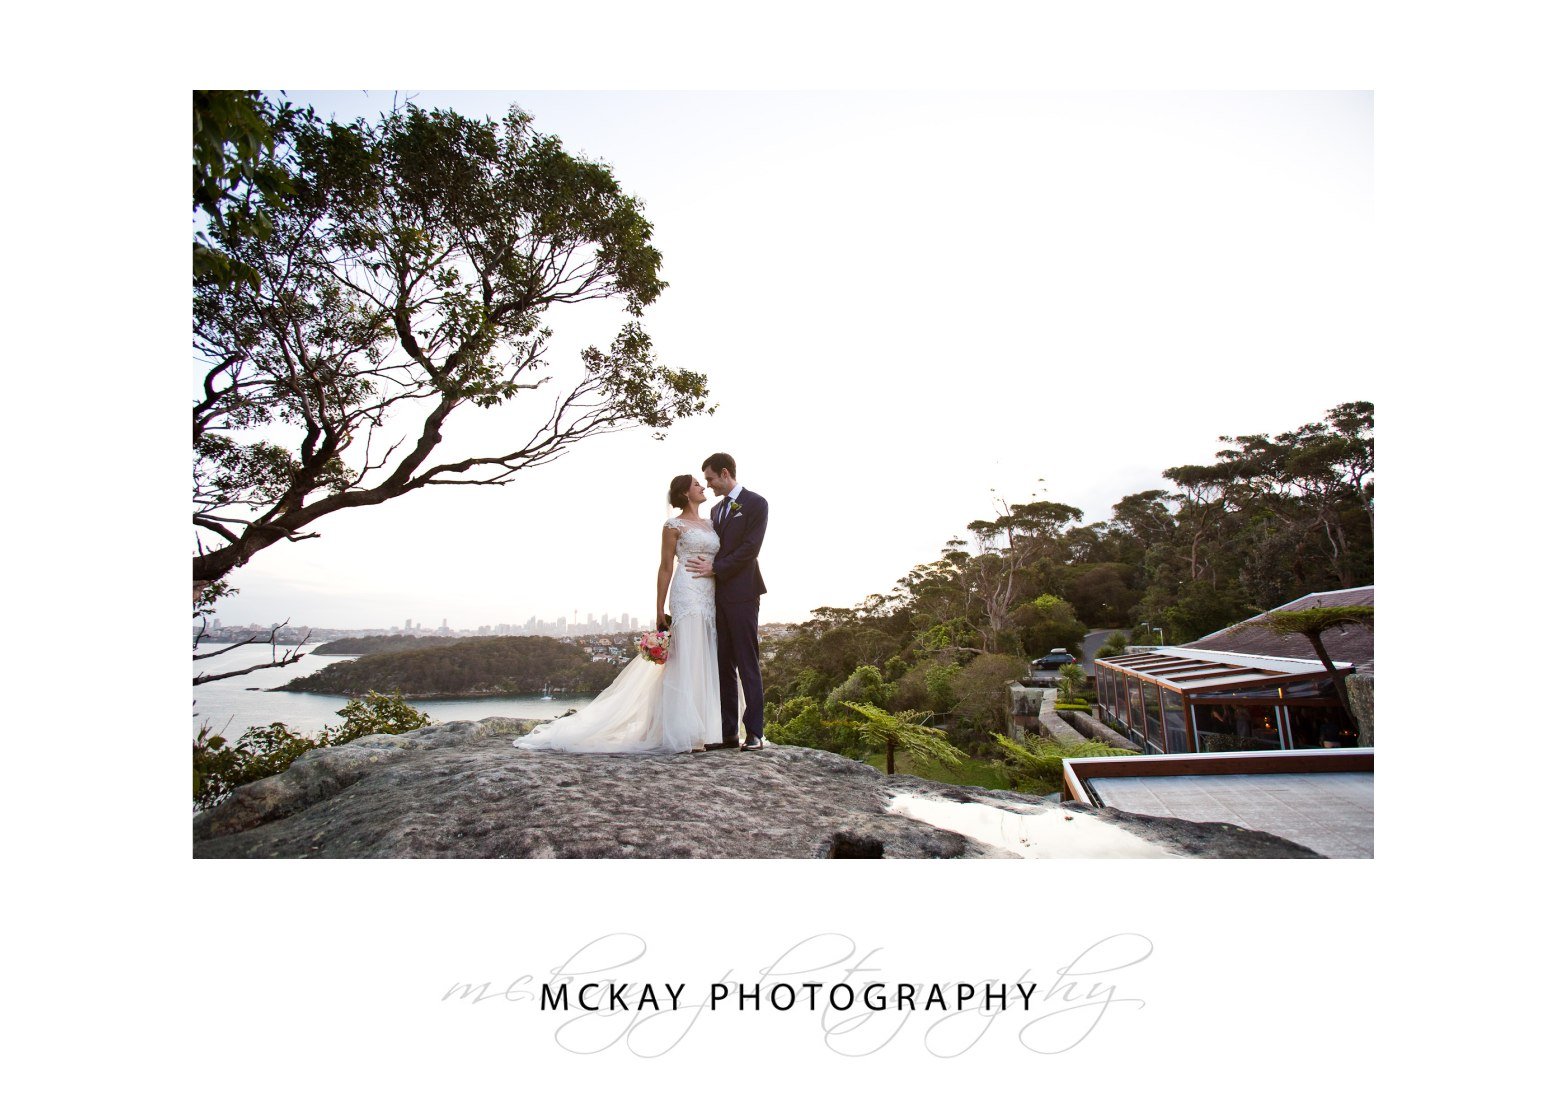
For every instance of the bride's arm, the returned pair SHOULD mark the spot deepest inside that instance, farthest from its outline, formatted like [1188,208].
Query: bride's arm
[666,571]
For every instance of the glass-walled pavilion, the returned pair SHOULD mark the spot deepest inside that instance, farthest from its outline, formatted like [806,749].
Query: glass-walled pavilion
[1183,700]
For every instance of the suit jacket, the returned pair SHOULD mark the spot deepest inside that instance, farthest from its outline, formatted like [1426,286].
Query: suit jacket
[740,541]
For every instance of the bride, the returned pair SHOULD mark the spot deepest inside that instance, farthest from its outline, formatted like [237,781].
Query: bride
[650,708]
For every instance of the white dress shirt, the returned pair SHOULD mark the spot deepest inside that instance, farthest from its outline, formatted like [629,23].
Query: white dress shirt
[734,495]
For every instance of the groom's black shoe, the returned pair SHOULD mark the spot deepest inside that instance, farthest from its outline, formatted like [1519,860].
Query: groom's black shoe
[752,743]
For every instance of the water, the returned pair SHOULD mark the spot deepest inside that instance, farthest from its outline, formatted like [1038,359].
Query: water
[231,707]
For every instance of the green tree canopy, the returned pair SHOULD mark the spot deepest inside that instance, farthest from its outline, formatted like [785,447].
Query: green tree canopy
[237,174]
[402,270]
[1270,519]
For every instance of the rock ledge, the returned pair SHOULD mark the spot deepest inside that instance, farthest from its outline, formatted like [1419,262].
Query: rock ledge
[461,790]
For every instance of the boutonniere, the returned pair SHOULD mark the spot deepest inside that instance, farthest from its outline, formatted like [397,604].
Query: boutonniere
[734,508]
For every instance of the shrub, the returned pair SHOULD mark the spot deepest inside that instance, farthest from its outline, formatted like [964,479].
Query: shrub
[968,773]
[375,714]
[982,697]
[218,767]
[261,751]
[939,686]
[1040,758]
[802,721]
[799,722]
[1046,622]
[864,685]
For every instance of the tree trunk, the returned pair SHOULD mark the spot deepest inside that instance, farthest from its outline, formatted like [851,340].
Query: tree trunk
[891,746]
[1338,678]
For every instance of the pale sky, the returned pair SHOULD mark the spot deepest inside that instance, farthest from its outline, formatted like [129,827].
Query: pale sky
[903,301]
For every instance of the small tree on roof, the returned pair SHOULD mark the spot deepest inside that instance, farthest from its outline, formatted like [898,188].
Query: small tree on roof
[1312,623]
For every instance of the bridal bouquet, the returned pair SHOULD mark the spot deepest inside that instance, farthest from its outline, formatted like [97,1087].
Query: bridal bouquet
[654,646]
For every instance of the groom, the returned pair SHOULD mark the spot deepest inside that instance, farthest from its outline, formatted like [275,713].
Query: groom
[740,518]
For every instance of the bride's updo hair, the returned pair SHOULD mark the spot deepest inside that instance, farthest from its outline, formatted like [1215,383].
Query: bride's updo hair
[677,490]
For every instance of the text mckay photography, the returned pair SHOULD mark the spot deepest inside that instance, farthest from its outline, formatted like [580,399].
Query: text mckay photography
[609,994]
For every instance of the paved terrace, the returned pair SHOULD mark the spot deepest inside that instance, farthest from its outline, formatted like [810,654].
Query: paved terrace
[1329,812]
[1319,798]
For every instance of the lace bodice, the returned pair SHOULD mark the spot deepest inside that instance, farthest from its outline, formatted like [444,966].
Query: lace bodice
[696,537]
[689,595]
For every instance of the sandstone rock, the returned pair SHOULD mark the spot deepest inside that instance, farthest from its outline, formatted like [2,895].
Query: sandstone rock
[1362,689]
[460,790]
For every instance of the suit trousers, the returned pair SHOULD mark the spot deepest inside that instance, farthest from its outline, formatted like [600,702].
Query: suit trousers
[739,660]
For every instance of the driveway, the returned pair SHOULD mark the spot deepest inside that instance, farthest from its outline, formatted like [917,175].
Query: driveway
[1093,642]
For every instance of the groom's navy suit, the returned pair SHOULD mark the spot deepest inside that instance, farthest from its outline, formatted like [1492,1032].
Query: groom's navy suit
[739,597]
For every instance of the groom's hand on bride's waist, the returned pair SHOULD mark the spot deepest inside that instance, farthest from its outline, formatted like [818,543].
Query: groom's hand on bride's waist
[700,566]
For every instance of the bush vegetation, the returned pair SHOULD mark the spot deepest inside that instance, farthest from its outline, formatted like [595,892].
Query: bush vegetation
[219,767]
[472,666]
[1272,518]
[1039,758]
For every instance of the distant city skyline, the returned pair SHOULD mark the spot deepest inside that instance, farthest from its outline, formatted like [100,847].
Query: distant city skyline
[560,625]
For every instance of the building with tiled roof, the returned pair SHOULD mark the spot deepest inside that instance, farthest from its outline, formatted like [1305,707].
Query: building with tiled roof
[1351,644]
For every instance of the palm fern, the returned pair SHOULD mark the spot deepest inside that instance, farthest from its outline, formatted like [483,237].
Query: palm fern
[904,731]
[1041,757]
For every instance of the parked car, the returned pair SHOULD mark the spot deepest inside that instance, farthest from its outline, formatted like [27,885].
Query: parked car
[1053,660]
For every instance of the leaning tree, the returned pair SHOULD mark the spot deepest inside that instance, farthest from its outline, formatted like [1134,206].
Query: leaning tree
[1312,623]
[387,276]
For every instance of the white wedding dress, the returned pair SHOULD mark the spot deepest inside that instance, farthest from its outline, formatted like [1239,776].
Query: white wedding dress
[652,708]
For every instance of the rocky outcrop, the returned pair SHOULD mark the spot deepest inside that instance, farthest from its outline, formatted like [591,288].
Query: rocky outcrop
[1362,688]
[461,790]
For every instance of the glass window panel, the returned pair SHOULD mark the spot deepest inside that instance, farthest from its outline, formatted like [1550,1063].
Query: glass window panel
[1174,724]
[1107,710]
[1253,692]
[1321,728]
[1151,715]
[1228,727]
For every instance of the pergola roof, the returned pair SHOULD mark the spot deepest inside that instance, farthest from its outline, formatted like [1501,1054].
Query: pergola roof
[1192,671]
[1245,655]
